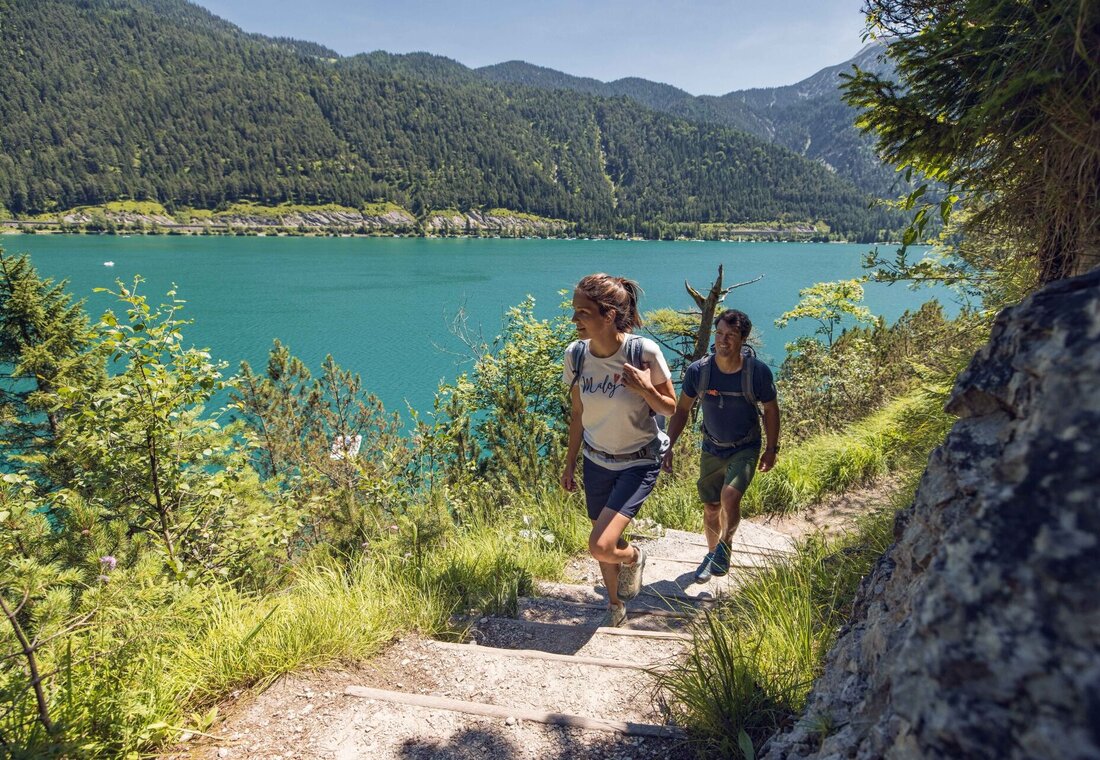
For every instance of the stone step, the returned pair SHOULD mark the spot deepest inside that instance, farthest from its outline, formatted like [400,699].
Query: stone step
[628,728]
[649,649]
[583,685]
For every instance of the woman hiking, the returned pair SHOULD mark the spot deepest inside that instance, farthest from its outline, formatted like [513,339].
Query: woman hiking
[618,383]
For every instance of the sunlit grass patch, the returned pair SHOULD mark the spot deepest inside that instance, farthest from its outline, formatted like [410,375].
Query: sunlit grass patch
[754,659]
[901,434]
[329,615]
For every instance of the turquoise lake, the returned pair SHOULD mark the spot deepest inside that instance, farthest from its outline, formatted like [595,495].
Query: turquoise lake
[382,306]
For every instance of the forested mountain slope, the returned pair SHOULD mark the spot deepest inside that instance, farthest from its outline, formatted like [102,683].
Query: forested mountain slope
[159,99]
[808,117]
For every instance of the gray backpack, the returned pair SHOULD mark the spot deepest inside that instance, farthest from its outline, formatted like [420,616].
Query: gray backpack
[747,392]
[580,350]
[634,357]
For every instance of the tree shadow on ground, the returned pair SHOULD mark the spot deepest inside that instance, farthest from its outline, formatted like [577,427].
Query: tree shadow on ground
[503,742]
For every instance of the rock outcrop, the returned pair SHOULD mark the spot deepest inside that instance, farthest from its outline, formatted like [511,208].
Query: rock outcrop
[977,635]
[457,222]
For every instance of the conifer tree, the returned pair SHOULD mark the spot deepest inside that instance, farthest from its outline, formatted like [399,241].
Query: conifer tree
[46,349]
[998,101]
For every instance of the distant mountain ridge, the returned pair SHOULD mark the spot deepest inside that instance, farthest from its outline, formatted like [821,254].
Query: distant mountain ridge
[161,100]
[807,117]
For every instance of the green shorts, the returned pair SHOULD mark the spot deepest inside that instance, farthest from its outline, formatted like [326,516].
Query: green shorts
[735,470]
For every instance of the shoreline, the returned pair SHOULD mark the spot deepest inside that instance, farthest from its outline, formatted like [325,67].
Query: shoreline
[385,219]
[19,227]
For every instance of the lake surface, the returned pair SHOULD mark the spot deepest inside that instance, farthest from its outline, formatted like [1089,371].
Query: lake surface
[382,306]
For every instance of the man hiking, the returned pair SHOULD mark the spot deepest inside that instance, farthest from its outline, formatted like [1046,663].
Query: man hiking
[731,382]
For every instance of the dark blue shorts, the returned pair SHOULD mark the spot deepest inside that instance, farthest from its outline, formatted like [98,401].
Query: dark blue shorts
[621,491]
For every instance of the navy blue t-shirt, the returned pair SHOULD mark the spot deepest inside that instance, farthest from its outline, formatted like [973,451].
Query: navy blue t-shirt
[729,418]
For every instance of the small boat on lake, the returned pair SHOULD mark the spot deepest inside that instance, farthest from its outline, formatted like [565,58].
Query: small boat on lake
[108,263]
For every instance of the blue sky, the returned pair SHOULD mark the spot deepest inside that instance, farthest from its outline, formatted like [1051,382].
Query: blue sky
[702,46]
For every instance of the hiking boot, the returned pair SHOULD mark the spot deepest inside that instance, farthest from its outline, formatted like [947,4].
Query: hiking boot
[630,576]
[703,572]
[614,617]
[720,565]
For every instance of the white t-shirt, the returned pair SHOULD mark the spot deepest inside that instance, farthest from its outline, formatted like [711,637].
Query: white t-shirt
[617,420]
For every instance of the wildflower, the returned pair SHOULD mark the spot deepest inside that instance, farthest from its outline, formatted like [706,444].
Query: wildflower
[109,563]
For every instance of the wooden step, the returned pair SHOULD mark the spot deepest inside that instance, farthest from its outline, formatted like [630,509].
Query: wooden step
[738,560]
[666,596]
[640,617]
[635,610]
[620,686]
[625,630]
[648,600]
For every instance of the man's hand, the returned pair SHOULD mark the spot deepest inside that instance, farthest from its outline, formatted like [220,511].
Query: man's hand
[666,461]
[568,481]
[767,460]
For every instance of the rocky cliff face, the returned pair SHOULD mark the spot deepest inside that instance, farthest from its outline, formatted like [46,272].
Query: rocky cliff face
[977,634]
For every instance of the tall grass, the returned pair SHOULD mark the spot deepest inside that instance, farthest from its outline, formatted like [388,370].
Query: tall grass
[754,659]
[898,436]
[158,656]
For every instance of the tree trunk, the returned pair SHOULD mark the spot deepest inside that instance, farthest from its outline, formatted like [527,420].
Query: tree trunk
[32,665]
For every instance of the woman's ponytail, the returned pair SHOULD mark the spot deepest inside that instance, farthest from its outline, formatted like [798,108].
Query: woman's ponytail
[632,317]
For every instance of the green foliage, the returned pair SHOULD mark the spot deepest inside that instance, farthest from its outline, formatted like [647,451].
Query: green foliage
[45,344]
[899,435]
[824,388]
[505,421]
[139,448]
[325,444]
[996,99]
[829,304]
[676,330]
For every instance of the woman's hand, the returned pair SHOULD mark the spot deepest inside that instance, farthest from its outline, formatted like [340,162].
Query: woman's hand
[661,399]
[568,481]
[637,379]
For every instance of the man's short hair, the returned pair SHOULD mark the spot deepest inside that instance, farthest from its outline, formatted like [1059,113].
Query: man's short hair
[737,320]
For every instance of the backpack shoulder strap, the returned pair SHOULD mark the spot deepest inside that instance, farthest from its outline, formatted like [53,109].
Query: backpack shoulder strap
[748,373]
[635,351]
[704,376]
[576,355]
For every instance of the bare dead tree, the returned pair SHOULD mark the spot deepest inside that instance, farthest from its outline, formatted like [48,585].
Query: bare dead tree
[707,306]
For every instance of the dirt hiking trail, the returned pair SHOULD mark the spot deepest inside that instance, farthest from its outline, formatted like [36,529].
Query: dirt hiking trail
[549,683]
